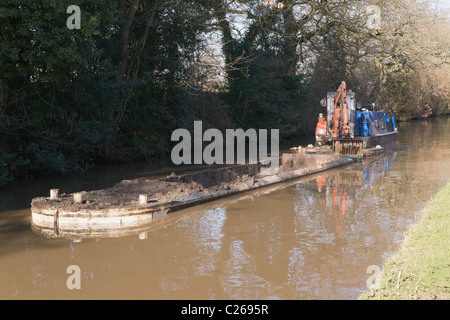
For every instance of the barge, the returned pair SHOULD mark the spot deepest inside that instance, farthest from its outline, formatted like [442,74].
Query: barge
[350,123]
[354,132]
[132,204]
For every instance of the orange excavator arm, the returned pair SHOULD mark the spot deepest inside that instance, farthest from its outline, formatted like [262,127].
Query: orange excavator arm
[340,107]
[343,143]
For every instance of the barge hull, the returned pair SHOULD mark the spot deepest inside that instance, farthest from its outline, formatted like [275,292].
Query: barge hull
[383,140]
[64,216]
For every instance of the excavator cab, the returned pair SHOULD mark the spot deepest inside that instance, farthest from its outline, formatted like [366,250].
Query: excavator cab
[339,126]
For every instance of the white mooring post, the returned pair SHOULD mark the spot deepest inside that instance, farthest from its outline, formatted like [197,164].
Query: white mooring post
[54,193]
[143,199]
[143,235]
[77,198]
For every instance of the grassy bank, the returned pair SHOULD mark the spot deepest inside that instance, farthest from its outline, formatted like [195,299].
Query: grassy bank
[420,269]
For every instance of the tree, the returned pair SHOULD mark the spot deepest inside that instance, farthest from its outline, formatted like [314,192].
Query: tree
[413,60]
[136,70]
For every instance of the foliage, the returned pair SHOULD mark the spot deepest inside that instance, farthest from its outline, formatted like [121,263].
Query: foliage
[418,269]
[138,69]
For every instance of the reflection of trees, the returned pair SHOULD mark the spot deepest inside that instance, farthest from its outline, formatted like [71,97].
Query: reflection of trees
[257,247]
[336,229]
[198,254]
[311,240]
[295,242]
[206,235]
[241,279]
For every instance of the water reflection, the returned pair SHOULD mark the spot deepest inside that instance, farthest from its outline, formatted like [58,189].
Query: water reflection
[308,239]
[337,191]
[206,235]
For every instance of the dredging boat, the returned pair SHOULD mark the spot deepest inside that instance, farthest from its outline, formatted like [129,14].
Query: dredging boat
[131,205]
[351,127]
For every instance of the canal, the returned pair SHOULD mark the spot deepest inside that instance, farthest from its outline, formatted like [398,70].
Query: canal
[319,237]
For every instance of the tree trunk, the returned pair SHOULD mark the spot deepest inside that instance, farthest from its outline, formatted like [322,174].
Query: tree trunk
[127,18]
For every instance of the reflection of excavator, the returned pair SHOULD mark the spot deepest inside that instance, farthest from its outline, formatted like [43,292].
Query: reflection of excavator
[338,189]
[339,206]
[339,209]
[338,128]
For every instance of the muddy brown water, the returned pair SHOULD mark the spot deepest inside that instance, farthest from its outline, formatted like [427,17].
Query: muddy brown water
[314,238]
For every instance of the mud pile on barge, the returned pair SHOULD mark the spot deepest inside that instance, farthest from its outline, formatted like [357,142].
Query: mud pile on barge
[134,203]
